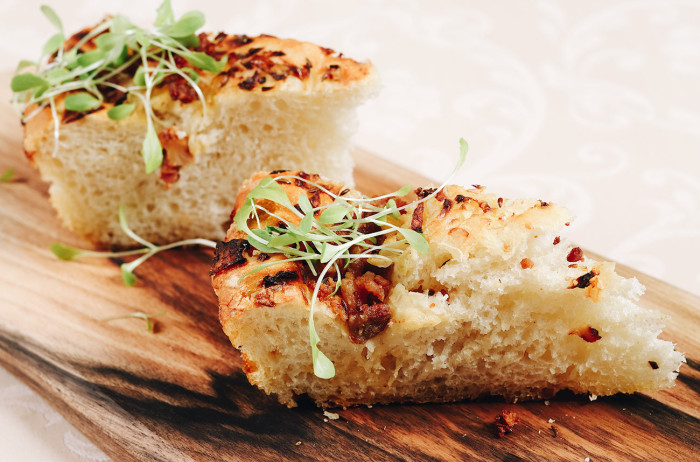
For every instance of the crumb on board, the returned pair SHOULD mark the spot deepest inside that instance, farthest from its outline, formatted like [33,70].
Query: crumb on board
[587,459]
[546,402]
[331,415]
[551,421]
[298,443]
[505,422]
[592,397]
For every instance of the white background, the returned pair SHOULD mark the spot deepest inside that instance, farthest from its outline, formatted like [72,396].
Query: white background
[594,105]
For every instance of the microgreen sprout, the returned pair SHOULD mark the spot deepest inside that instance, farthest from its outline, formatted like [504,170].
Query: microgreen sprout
[6,177]
[84,75]
[138,315]
[329,235]
[65,252]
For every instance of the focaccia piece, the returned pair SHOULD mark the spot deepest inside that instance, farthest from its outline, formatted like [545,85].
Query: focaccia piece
[277,103]
[502,305]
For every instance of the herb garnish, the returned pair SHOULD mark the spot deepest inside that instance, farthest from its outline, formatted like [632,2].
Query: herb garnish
[65,252]
[329,235]
[6,177]
[120,46]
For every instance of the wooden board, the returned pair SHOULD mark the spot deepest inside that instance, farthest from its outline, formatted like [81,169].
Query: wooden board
[180,395]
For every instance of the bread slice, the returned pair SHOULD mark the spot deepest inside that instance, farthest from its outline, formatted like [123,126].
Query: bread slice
[277,103]
[501,305]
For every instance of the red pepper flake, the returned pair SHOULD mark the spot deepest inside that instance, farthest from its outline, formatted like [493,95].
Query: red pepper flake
[505,422]
[653,364]
[526,263]
[423,193]
[500,202]
[587,333]
[575,255]
[557,240]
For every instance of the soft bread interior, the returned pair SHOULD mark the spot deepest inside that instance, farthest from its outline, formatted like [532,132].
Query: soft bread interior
[98,163]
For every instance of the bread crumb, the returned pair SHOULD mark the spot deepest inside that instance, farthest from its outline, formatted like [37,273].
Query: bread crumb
[593,397]
[587,459]
[298,443]
[505,422]
[331,415]
[551,421]
[546,402]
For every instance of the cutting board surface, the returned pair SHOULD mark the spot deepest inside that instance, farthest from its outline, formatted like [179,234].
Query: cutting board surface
[179,394]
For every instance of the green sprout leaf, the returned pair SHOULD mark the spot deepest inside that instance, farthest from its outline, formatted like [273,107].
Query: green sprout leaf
[306,223]
[186,25]
[109,41]
[27,81]
[269,189]
[165,14]
[53,44]
[403,191]
[91,57]
[52,17]
[205,62]
[138,315]
[330,252]
[333,214]
[416,240]
[190,41]
[80,102]
[140,77]
[127,275]
[121,111]
[23,64]
[58,75]
[463,148]
[6,177]
[323,367]
[65,252]
[152,151]
[304,203]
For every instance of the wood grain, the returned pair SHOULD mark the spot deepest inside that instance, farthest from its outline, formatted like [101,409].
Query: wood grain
[179,394]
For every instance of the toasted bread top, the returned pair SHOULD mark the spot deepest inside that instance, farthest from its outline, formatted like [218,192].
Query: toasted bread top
[264,65]
[471,220]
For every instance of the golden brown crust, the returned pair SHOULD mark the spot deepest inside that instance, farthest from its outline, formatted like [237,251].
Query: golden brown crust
[264,64]
[464,217]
